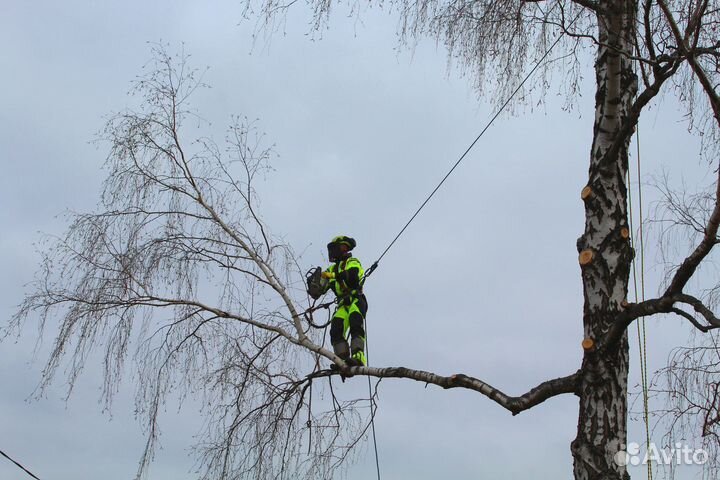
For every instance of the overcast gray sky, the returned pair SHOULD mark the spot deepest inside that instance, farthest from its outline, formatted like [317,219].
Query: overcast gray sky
[485,282]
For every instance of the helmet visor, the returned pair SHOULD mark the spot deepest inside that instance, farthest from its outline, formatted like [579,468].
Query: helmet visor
[335,252]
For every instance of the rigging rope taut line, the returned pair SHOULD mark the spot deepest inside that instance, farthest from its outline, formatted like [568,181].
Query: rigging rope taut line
[504,105]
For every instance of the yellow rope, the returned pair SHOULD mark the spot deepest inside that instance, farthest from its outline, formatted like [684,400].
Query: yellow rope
[640,324]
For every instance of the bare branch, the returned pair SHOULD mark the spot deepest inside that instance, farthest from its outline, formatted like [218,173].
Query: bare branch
[664,304]
[693,28]
[590,4]
[691,263]
[514,405]
[700,308]
[691,319]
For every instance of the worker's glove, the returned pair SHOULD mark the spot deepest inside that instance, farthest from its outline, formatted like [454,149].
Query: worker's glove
[328,275]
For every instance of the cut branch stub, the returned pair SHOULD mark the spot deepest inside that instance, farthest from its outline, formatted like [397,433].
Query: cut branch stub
[586,257]
[586,192]
[625,233]
[588,343]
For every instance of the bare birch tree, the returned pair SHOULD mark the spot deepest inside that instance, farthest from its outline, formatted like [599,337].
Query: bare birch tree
[178,271]
[174,214]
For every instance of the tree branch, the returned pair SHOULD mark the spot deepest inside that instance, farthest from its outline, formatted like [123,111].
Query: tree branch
[664,304]
[592,5]
[691,263]
[628,126]
[700,308]
[690,54]
[515,405]
[691,319]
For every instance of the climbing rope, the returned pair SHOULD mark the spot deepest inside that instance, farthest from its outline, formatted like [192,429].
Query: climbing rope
[373,408]
[308,314]
[640,296]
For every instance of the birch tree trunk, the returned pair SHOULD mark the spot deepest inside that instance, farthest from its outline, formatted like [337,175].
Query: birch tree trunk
[606,253]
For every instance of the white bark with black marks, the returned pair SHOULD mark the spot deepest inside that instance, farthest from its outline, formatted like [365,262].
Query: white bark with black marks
[602,422]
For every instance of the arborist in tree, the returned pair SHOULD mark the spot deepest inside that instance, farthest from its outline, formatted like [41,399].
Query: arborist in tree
[344,277]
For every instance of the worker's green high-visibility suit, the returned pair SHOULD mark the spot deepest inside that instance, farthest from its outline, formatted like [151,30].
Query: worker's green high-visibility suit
[349,317]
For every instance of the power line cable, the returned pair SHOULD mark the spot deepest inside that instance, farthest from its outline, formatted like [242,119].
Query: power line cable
[19,465]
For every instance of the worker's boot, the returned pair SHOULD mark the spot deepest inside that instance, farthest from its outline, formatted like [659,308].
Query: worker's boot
[358,352]
[357,360]
[342,350]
